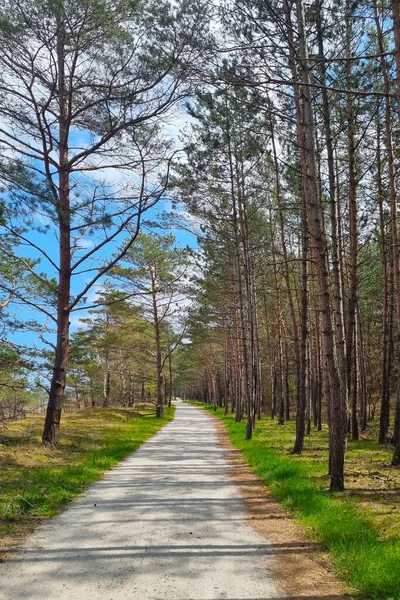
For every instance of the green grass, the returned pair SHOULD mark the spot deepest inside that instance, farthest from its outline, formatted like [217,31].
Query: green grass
[36,482]
[360,527]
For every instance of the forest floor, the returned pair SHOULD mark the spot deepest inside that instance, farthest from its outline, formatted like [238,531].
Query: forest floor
[361,526]
[36,482]
[170,523]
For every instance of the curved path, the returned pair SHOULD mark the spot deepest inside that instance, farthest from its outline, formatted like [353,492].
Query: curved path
[166,524]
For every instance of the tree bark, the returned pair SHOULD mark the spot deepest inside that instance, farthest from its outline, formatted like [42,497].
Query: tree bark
[384,416]
[395,236]
[337,387]
[170,381]
[286,273]
[301,396]
[57,386]
[156,325]
[351,341]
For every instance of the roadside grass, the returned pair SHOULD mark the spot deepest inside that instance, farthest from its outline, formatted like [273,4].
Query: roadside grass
[36,482]
[360,527]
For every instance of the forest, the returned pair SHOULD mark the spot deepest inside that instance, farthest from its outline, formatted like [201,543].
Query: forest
[200,200]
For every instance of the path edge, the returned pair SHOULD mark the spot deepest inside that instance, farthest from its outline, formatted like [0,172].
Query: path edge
[312,571]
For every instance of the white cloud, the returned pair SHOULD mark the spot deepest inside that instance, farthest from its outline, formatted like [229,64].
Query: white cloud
[76,320]
[85,243]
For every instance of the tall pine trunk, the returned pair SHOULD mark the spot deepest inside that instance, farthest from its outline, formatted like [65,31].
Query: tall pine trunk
[301,396]
[395,238]
[351,341]
[57,386]
[157,337]
[384,416]
[337,386]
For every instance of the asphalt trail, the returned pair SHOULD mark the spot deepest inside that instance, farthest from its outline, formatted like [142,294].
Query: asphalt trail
[166,524]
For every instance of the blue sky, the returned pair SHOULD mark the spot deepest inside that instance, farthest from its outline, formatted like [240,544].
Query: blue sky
[49,244]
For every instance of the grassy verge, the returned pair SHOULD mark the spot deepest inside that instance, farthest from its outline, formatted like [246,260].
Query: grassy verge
[360,527]
[36,482]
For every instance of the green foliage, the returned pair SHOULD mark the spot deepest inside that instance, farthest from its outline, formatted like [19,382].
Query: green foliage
[153,274]
[157,252]
[16,393]
[116,340]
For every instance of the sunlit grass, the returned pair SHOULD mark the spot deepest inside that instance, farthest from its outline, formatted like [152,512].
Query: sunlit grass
[360,527]
[36,482]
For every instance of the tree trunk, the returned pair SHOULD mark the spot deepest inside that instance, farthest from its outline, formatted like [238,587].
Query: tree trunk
[351,341]
[239,237]
[279,338]
[106,387]
[355,383]
[384,416]
[337,387]
[395,236]
[156,325]
[301,396]
[337,270]
[362,377]
[286,273]
[93,399]
[170,381]
[57,386]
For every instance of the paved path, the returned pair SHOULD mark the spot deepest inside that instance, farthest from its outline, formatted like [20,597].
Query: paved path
[166,524]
